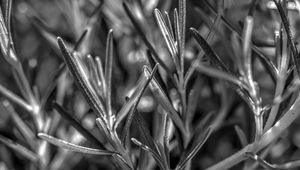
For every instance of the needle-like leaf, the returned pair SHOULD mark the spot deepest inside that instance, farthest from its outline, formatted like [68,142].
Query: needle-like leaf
[269,65]
[287,28]
[144,37]
[265,164]
[81,78]
[208,50]
[14,98]
[73,147]
[193,150]
[241,134]
[19,149]
[160,95]
[144,131]
[182,25]
[133,109]
[108,71]
[76,124]
[167,37]
[221,75]
[135,97]
[21,125]
[156,157]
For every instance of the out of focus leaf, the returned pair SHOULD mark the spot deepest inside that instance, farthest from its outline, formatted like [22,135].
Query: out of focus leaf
[19,149]
[73,147]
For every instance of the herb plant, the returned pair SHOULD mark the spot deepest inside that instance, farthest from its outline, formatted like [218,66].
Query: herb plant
[152,84]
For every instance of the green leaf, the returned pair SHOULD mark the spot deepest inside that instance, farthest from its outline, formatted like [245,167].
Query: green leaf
[81,78]
[73,147]
[160,95]
[77,125]
[19,149]
[193,150]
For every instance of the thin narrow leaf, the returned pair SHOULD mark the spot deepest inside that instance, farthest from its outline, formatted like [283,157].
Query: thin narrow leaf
[14,98]
[163,155]
[80,40]
[241,134]
[49,90]
[94,78]
[169,24]
[208,50]
[5,44]
[8,9]
[126,128]
[271,135]
[270,67]
[182,25]
[167,127]
[167,37]
[157,75]
[193,151]
[178,39]
[101,73]
[287,28]
[21,125]
[73,147]
[143,83]
[144,37]
[156,157]
[19,149]
[221,75]
[193,97]
[76,124]
[160,95]
[81,78]
[195,61]
[144,131]
[265,164]
[108,71]
[103,128]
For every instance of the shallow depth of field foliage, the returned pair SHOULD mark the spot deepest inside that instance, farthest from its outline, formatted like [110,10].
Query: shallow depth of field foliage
[149,84]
